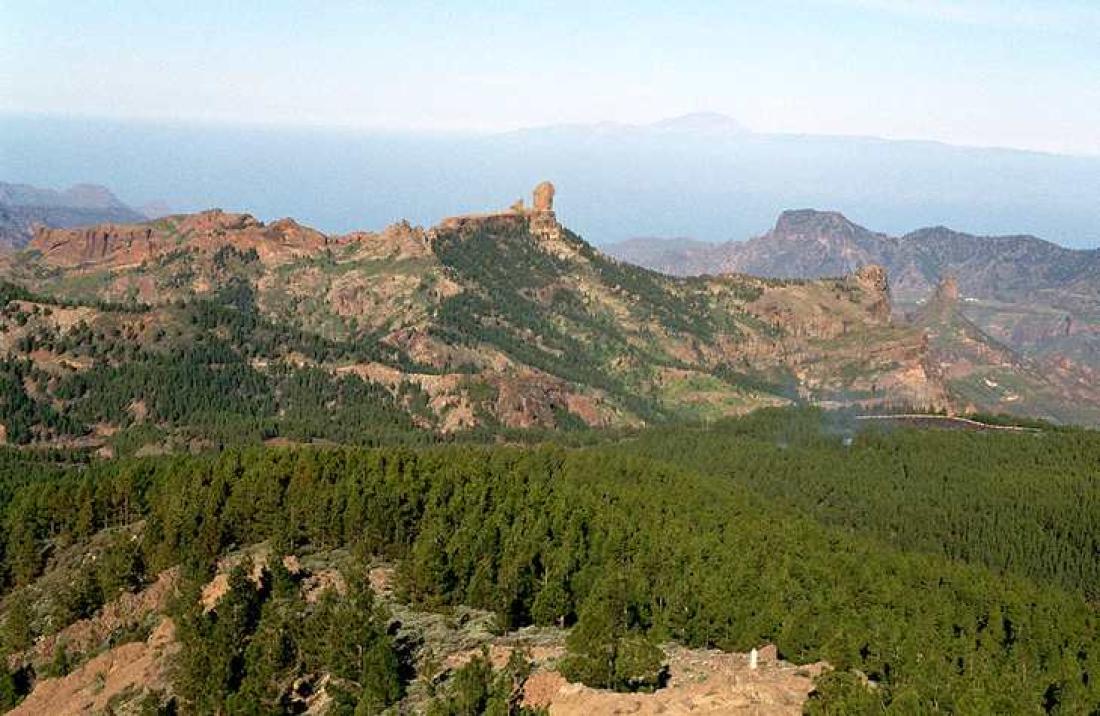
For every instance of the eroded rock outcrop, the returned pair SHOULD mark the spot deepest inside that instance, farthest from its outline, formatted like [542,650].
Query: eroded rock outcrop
[873,281]
[948,290]
[94,244]
[396,242]
[543,223]
[126,245]
[543,197]
[539,220]
[944,300]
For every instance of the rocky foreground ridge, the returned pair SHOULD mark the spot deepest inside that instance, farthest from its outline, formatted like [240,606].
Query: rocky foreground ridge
[123,678]
[502,319]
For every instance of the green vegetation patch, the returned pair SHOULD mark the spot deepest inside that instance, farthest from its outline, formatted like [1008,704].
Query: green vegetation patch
[631,549]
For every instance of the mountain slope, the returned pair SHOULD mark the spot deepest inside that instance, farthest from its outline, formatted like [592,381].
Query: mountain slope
[500,319]
[981,371]
[811,244]
[1006,268]
[218,326]
[1037,296]
[807,243]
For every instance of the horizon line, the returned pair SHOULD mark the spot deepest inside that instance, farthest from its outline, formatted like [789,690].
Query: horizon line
[468,132]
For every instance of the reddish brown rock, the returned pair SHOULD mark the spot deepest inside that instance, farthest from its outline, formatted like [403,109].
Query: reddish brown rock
[122,245]
[544,197]
[75,247]
[873,281]
[397,241]
[873,277]
[944,301]
[948,290]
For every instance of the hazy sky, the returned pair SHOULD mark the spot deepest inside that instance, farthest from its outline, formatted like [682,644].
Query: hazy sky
[1016,73]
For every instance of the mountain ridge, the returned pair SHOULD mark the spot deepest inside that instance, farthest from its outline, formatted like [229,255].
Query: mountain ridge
[499,320]
[23,207]
[827,227]
[1021,289]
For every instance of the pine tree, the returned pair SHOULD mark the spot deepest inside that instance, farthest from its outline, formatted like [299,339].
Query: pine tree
[18,633]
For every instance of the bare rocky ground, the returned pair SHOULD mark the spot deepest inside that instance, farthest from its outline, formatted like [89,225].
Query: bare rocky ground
[114,682]
[119,679]
[702,682]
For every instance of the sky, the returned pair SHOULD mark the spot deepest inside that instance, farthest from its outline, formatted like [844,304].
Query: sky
[1012,73]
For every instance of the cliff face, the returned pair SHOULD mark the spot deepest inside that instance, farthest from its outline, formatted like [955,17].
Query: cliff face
[872,279]
[119,246]
[96,245]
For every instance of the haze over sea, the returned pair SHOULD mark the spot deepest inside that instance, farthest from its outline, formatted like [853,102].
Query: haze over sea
[701,176]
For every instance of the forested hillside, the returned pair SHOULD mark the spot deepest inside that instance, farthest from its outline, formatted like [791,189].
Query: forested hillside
[1024,503]
[925,586]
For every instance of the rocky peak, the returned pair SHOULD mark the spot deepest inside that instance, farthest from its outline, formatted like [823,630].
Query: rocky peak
[872,277]
[944,300]
[401,240]
[543,197]
[293,234]
[873,281]
[806,243]
[119,245]
[539,219]
[811,223]
[935,233]
[214,219]
[74,247]
[947,291]
[542,222]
